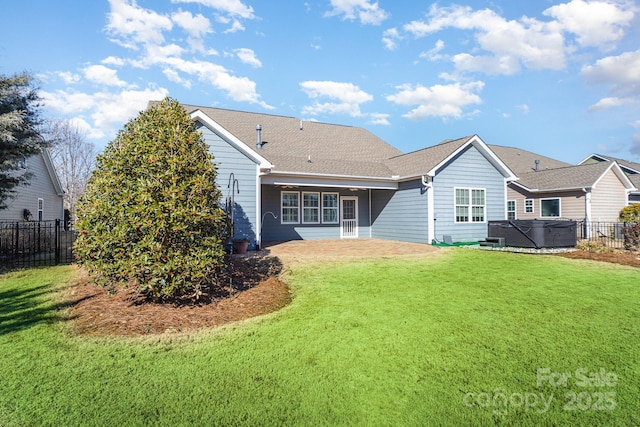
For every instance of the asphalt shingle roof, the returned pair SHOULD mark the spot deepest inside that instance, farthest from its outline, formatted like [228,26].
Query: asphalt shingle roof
[289,143]
[420,161]
[522,161]
[569,177]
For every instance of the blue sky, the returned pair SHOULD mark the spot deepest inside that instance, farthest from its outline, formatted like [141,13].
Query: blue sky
[560,78]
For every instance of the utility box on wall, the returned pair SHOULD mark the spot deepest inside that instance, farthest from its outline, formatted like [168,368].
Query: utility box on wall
[535,233]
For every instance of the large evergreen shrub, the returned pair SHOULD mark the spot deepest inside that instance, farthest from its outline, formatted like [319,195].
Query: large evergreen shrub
[150,216]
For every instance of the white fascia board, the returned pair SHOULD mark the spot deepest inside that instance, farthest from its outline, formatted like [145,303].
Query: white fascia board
[549,190]
[232,139]
[484,149]
[52,171]
[593,155]
[617,170]
[327,181]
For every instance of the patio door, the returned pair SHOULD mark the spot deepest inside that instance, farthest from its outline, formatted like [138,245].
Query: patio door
[349,217]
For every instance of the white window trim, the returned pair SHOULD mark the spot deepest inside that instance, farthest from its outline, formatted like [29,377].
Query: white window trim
[40,209]
[303,207]
[532,206]
[559,199]
[470,213]
[282,221]
[336,208]
[515,208]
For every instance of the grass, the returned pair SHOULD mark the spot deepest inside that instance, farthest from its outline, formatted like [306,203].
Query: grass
[418,341]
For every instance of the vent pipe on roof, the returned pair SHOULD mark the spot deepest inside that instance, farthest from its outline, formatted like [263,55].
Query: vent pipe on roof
[258,137]
[537,165]
[301,127]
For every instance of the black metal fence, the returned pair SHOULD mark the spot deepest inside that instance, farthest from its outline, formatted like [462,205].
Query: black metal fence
[610,234]
[36,243]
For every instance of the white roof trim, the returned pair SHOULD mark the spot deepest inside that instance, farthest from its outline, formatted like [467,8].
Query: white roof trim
[485,151]
[593,155]
[241,146]
[617,170]
[52,171]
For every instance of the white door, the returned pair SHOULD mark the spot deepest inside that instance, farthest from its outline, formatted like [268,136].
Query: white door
[349,217]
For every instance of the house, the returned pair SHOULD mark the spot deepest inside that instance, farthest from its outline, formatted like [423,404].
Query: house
[631,169]
[551,189]
[42,198]
[290,179]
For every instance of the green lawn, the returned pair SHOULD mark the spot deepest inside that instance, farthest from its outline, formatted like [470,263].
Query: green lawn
[462,338]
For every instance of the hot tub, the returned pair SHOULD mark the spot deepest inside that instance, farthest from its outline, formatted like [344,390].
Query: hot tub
[535,233]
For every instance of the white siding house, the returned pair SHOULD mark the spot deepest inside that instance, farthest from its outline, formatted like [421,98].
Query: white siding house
[42,197]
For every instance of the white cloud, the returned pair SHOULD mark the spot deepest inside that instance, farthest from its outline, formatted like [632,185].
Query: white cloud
[175,77]
[103,75]
[390,38]
[528,42]
[196,26]
[379,119]
[621,73]
[248,56]
[112,60]
[433,54]
[230,7]
[612,102]
[438,100]
[130,25]
[348,97]
[68,77]
[363,10]
[108,110]
[635,140]
[86,129]
[595,23]
[524,108]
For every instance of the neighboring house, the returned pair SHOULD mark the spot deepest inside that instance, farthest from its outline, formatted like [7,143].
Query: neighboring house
[290,179]
[631,169]
[550,189]
[42,196]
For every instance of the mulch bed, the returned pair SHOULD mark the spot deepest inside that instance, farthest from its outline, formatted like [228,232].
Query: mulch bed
[618,257]
[256,290]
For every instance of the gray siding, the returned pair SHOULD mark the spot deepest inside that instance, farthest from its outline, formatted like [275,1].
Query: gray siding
[470,169]
[40,186]
[274,230]
[402,214]
[229,160]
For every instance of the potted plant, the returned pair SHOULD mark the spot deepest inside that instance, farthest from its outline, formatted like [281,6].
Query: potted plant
[240,245]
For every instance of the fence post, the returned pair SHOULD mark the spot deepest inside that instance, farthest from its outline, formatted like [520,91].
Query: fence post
[17,239]
[57,241]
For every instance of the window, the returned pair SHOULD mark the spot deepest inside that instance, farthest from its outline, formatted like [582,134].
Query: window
[40,209]
[470,204]
[290,201]
[511,209]
[311,208]
[330,208]
[550,207]
[528,206]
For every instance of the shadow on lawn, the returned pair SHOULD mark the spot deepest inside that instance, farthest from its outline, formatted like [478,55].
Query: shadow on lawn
[24,308]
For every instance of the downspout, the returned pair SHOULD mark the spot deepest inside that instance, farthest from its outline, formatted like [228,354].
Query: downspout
[587,212]
[370,224]
[427,182]
[258,207]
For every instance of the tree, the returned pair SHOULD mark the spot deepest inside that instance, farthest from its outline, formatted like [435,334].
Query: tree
[150,215]
[19,138]
[73,158]
[630,213]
